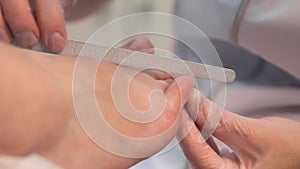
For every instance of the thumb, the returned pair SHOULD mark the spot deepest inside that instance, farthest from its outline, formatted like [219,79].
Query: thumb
[177,95]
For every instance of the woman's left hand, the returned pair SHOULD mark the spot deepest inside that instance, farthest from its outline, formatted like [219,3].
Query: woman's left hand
[37,112]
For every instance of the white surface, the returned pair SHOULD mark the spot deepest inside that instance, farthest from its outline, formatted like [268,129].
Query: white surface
[271,28]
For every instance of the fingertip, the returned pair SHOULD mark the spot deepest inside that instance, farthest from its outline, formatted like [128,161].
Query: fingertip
[20,20]
[202,155]
[194,105]
[186,85]
[178,92]
[27,39]
[56,42]
[51,24]
[142,44]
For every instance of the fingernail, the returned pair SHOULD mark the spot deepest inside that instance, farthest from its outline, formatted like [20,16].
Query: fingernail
[185,85]
[149,50]
[132,45]
[4,37]
[139,44]
[56,42]
[26,39]
[66,4]
[194,104]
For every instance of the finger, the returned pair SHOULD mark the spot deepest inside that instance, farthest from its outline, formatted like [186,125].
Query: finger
[200,155]
[157,74]
[141,44]
[177,95]
[211,142]
[236,131]
[21,22]
[50,16]
[68,4]
[5,34]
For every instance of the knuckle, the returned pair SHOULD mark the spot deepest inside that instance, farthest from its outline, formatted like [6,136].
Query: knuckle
[243,127]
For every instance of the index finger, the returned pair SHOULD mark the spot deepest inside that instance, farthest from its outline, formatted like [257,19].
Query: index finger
[18,15]
[202,155]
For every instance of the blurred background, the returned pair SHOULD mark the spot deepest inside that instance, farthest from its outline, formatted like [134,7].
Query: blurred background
[83,28]
[249,67]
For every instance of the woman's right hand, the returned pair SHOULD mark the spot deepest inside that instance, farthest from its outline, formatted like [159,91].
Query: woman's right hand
[266,143]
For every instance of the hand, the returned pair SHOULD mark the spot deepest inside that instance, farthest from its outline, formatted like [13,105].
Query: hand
[28,20]
[269,142]
[37,113]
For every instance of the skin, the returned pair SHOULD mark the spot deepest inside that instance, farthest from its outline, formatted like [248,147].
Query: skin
[257,143]
[265,143]
[37,112]
[28,21]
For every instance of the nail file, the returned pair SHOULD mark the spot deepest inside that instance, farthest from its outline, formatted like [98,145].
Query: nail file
[144,60]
